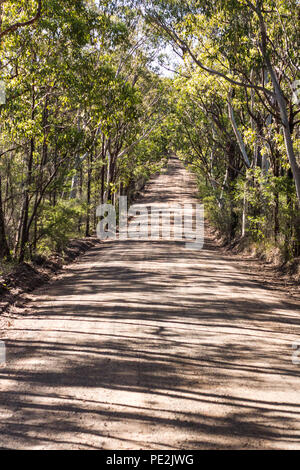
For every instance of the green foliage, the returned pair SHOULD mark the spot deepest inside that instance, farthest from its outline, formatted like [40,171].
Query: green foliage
[88,117]
[83,120]
[58,224]
[226,116]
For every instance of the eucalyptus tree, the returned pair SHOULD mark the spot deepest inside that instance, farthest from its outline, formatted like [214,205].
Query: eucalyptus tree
[252,45]
[82,101]
[13,16]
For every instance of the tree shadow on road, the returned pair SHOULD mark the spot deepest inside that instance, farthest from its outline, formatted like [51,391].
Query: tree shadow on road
[204,346]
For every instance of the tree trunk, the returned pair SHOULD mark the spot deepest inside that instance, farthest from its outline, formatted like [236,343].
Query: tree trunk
[4,249]
[237,133]
[25,208]
[282,106]
[245,208]
[88,209]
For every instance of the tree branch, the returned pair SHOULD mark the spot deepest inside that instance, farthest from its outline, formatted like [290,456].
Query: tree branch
[18,25]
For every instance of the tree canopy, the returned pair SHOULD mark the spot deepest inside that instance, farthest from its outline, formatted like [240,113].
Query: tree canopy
[89,116]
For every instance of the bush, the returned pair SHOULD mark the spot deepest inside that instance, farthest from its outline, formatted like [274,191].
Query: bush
[58,225]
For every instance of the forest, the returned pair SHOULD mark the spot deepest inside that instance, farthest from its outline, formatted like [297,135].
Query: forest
[92,106]
[184,336]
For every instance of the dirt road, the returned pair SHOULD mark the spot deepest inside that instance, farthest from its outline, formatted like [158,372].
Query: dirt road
[147,345]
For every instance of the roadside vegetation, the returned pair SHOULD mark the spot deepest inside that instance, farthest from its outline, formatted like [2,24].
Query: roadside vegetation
[236,107]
